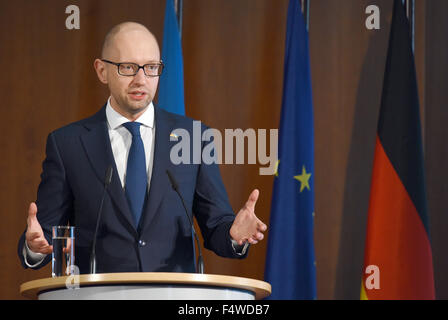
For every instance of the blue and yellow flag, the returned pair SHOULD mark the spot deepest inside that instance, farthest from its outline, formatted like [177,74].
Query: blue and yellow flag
[171,86]
[290,264]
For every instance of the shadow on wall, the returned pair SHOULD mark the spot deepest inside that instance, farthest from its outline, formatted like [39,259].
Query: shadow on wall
[359,167]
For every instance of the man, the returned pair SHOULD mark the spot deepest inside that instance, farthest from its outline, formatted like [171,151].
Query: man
[143,225]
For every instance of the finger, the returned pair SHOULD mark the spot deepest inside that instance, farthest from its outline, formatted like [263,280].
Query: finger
[40,247]
[261,226]
[69,244]
[68,247]
[46,250]
[32,222]
[252,241]
[32,236]
[243,240]
[250,204]
[41,243]
[32,211]
[259,236]
[36,244]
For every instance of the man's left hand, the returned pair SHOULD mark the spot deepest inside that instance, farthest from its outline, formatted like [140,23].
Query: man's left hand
[247,227]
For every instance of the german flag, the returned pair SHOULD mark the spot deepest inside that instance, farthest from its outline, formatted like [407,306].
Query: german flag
[398,259]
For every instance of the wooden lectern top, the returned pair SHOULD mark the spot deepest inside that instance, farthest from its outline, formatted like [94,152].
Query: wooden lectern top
[260,288]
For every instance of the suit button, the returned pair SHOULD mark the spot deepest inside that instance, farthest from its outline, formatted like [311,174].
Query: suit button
[141,243]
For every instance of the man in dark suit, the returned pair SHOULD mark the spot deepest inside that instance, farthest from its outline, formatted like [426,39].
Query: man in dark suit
[143,226]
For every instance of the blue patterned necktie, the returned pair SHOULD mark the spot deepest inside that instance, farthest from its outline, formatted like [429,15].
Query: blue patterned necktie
[136,178]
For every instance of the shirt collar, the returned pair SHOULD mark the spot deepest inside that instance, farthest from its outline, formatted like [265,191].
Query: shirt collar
[114,119]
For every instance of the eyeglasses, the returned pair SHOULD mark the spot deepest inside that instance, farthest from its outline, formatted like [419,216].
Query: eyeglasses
[131,69]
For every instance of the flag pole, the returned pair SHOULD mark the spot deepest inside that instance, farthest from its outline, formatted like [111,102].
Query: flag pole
[410,13]
[178,8]
[306,12]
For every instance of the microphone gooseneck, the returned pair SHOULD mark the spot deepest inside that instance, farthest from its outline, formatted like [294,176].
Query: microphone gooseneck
[175,186]
[107,181]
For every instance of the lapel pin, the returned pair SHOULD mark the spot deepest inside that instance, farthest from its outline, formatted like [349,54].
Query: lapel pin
[173,137]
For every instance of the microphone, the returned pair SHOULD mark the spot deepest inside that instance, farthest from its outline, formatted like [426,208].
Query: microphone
[175,186]
[107,181]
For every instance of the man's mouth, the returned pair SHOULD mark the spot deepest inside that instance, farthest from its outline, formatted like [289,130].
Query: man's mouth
[137,95]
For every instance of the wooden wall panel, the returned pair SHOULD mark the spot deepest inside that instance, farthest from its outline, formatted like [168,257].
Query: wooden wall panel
[233,52]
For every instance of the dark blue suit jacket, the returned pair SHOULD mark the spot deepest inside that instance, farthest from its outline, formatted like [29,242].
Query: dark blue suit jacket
[72,182]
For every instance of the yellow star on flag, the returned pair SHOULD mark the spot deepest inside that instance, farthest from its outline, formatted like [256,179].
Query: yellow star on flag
[276,168]
[304,179]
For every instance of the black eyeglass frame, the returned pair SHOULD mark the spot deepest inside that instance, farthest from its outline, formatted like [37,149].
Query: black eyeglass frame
[160,64]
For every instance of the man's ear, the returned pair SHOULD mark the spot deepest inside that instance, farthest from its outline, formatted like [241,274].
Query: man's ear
[101,71]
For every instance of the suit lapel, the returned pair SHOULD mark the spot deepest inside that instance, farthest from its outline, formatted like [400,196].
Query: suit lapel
[97,145]
[159,184]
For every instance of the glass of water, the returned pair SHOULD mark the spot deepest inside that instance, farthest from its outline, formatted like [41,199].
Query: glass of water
[63,256]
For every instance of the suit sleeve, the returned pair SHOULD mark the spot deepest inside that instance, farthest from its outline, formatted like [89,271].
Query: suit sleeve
[54,197]
[213,211]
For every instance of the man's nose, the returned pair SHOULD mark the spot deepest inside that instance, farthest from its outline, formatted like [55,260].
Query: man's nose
[140,77]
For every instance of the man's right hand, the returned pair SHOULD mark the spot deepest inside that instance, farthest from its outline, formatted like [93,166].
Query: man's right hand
[35,238]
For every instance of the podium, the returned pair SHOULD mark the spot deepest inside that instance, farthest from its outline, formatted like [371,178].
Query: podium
[146,286]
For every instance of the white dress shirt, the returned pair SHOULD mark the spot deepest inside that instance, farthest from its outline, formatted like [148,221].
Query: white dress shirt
[121,139]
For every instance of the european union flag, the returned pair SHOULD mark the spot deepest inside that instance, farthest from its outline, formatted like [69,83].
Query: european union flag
[171,86]
[290,264]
